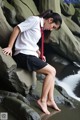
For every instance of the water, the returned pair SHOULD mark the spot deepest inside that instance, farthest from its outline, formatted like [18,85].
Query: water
[67,112]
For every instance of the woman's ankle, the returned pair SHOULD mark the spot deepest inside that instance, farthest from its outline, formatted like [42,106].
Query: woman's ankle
[50,100]
[43,100]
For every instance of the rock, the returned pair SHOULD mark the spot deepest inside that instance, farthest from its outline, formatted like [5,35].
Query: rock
[8,61]
[13,79]
[67,9]
[76,16]
[5,29]
[53,5]
[4,94]
[75,29]
[25,78]
[65,43]
[21,110]
[21,6]
[9,12]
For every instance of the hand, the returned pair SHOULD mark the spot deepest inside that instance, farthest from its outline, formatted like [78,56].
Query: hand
[44,58]
[7,51]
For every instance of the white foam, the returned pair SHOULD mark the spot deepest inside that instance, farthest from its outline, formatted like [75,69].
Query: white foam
[69,84]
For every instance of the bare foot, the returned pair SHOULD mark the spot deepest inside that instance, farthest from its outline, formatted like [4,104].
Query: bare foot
[53,105]
[43,106]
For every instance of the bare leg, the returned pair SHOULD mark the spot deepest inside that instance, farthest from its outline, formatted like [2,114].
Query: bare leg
[50,100]
[47,88]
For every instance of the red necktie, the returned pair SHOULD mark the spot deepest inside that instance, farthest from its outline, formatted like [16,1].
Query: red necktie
[42,43]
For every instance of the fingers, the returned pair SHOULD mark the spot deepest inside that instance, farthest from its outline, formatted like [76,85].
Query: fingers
[44,58]
[10,54]
[7,51]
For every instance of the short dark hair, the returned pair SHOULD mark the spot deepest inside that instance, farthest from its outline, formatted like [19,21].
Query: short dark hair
[50,14]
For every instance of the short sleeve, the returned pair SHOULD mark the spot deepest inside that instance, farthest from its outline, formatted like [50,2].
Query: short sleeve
[27,24]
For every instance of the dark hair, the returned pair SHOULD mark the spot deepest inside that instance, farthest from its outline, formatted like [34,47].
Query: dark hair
[50,14]
[56,19]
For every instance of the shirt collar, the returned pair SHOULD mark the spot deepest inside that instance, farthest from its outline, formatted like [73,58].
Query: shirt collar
[42,22]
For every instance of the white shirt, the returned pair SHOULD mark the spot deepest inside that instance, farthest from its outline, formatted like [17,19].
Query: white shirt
[27,40]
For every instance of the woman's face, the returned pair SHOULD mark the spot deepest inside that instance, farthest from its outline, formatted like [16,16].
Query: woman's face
[49,25]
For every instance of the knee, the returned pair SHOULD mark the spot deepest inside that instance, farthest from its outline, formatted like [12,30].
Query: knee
[53,71]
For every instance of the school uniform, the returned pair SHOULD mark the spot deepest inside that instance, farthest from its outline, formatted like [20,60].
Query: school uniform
[26,46]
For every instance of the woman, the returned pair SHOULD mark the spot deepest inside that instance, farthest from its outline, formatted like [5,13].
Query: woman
[26,35]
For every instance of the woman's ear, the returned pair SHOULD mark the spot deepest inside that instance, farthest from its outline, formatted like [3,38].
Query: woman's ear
[50,20]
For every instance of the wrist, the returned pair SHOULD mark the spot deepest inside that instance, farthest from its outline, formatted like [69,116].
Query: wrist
[10,46]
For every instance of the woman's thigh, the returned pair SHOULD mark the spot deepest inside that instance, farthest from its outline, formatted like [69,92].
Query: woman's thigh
[48,69]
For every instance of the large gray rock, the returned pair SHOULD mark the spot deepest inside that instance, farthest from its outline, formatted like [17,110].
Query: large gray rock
[12,78]
[24,9]
[14,10]
[65,43]
[51,4]
[5,29]
[9,12]
[67,9]
[21,110]
[76,16]
[75,29]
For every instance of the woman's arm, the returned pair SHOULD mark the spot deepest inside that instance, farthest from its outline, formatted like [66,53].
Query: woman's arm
[14,35]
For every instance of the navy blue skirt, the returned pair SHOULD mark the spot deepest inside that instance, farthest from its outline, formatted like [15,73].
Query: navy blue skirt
[29,62]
